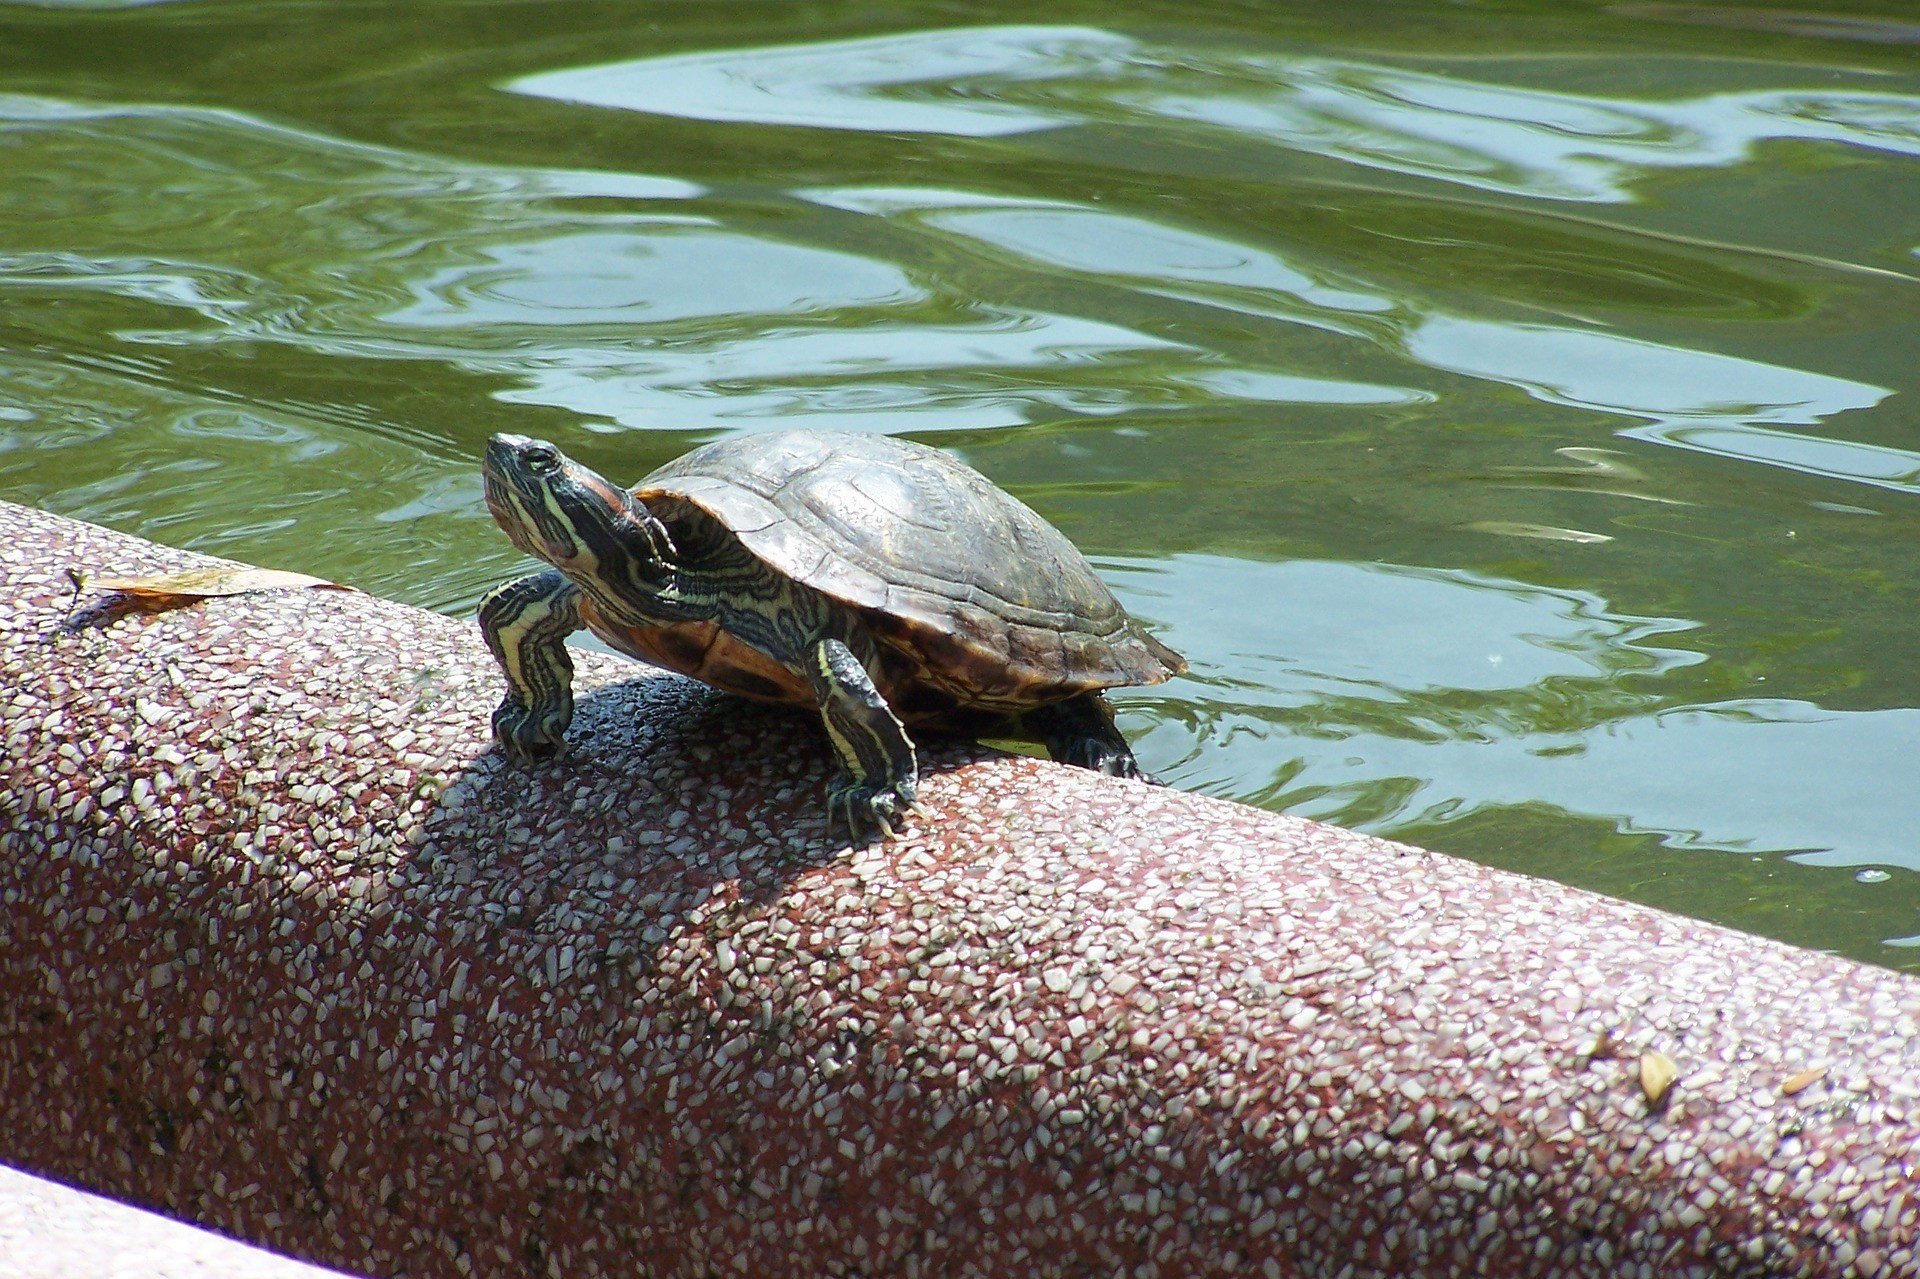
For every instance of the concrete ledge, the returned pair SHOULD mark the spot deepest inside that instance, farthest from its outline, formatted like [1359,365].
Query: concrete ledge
[50,1231]
[292,953]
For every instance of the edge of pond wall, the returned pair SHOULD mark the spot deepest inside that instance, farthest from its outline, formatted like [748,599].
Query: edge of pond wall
[51,1231]
[294,954]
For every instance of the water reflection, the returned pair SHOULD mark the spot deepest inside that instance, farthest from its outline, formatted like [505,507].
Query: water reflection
[272,483]
[1808,23]
[999,369]
[651,272]
[473,259]
[615,314]
[1523,141]
[1624,375]
[271,232]
[1699,400]
[1833,459]
[856,84]
[1070,237]
[983,81]
[1393,696]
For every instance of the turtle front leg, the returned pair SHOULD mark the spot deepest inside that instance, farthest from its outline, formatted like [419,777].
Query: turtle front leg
[878,771]
[1080,731]
[526,623]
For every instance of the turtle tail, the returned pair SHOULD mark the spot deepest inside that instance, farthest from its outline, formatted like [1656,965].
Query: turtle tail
[1172,661]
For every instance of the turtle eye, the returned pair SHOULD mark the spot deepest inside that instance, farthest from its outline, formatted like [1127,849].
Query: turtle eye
[541,459]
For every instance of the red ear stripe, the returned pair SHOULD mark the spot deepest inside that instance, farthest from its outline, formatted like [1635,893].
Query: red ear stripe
[639,521]
[614,496]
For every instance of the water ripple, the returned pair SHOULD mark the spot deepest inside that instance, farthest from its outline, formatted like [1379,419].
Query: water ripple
[998,80]
[598,292]
[921,82]
[1393,696]
[649,272]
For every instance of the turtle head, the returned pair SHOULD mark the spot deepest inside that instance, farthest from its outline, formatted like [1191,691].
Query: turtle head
[556,510]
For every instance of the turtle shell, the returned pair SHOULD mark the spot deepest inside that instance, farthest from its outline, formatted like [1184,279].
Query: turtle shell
[993,602]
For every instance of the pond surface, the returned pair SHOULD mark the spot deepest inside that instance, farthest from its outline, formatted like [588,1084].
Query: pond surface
[1509,407]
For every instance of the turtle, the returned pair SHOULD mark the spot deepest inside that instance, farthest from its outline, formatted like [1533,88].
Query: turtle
[882,583]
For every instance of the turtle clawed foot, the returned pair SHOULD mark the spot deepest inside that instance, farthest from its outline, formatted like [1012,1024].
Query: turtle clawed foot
[870,811]
[1101,756]
[1125,765]
[527,735]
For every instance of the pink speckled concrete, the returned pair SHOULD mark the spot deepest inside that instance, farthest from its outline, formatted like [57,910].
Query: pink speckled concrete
[291,951]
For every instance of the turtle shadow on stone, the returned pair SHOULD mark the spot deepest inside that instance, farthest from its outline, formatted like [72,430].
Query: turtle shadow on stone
[751,773]
[690,796]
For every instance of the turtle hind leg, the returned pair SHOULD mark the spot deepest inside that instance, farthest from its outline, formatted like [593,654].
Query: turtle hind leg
[1080,731]
[878,772]
[526,623]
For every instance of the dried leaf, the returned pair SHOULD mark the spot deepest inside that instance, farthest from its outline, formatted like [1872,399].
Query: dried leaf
[124,595]
[1657,1076]
[1603,1045]
[206,583]
[1803,1080]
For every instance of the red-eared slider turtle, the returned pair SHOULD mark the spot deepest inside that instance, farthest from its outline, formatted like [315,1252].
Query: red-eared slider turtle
[881,582]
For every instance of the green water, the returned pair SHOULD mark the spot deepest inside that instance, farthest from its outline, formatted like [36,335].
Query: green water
[1508,407]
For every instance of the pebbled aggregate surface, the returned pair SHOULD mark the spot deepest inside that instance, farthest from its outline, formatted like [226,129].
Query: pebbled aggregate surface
[289,950]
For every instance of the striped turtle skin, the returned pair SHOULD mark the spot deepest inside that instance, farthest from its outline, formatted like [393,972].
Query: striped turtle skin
[879,582]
